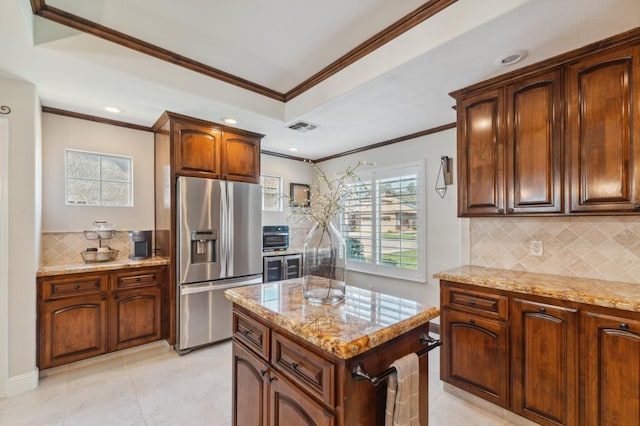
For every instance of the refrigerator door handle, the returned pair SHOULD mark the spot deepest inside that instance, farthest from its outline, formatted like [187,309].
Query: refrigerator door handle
[230,228]
[212,286]
[224,234]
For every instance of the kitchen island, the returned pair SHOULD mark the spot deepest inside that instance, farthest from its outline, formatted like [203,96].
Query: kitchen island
[293,360]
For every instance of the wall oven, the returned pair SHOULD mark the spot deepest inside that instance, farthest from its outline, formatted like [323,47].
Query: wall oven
[275,237]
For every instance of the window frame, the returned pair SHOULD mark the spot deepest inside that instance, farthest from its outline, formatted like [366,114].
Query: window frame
[130,182]
[375,267]
[280,189]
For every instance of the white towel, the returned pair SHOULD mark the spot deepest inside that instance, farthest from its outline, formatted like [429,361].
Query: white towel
[403,393]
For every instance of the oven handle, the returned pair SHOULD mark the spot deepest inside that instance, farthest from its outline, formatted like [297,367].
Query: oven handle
[212,286]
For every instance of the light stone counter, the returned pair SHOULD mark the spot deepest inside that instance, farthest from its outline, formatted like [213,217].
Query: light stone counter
[611,294]
[76,268]
[363,320]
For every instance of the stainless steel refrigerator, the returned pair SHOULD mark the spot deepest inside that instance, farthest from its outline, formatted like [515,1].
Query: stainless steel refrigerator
[219,237]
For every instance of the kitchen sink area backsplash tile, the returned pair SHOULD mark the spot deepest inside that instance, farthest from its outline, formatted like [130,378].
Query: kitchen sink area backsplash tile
[591,247]
[61,248]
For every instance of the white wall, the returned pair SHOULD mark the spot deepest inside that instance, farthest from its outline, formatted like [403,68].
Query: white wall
[22,238]
[61,132]
[291,171]
[445,233]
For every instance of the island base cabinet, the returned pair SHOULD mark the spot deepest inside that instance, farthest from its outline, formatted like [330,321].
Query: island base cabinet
[474,355]
[544,362]
[264,397]
[291,407]
[611,380]
[250,393]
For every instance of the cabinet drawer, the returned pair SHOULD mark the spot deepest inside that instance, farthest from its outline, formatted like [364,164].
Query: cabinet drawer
[72,285]
[136,279]
[252,333]
[488,304]
[304,367]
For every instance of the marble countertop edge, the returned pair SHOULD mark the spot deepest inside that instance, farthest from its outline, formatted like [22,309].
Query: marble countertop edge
[610,294]
[77,268]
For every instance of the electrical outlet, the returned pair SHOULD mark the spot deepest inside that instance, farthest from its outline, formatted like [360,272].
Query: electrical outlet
[536,248]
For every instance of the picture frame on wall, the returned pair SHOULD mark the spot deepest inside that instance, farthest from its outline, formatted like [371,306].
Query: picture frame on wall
[299,194]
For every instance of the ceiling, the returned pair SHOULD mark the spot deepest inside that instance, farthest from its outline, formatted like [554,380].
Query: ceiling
[398,89]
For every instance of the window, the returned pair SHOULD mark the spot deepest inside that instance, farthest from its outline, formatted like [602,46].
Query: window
[383,223]
[271,193]
[95,179]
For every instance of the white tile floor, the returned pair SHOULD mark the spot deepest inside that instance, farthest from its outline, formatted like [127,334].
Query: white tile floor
[154,386]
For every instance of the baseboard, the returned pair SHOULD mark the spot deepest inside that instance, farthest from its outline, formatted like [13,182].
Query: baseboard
[22,383]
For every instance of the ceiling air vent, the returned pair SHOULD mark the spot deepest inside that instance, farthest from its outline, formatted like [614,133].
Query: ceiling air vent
[302,126]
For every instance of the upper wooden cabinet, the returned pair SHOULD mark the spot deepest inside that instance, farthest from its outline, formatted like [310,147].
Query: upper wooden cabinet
[558,137]
[510,148]
[603,128]
[197,149]
[242,158]
[203,149]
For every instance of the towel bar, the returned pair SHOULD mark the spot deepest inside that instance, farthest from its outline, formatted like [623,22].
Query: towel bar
[359,373]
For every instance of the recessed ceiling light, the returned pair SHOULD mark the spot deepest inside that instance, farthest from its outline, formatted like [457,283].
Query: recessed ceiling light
[511,58]
[292,149]
[112,109]
[229,120]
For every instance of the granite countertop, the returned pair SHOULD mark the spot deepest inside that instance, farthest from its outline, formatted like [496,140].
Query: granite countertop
[76,268]
[363,320]
[611,294]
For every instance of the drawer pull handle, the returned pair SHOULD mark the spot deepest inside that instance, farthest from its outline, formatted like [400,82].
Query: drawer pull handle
[246,333]
[77,286]
[294,365]
[263,372]
[624,326]
[543,310]
[501,211]
[472,321]
[272,378]
[472,302]
[511,211]
[138,279]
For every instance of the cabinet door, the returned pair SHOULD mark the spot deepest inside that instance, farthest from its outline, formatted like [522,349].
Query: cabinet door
[289,406]
[241,158]
[293,266]
[474,355]
[73,328]
[603,132]
[273,268]
[480,154]
[249,388]
[610,380]
[135,317]
[544,365]
[534,145]
[197,150]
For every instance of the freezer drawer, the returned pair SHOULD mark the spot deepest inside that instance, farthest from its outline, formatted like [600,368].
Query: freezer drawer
[204,312]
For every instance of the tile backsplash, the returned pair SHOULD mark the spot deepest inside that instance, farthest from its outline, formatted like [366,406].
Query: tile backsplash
[605,247]
[61,248]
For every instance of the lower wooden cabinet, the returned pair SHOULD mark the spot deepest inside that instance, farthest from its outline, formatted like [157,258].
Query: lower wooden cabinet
[544,354]
[87,314]
[569,364]
[72,328]
[474,355]
[611,378]
[289,406]
[250,388]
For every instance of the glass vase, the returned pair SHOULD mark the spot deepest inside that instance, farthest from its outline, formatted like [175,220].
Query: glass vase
[324,270]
